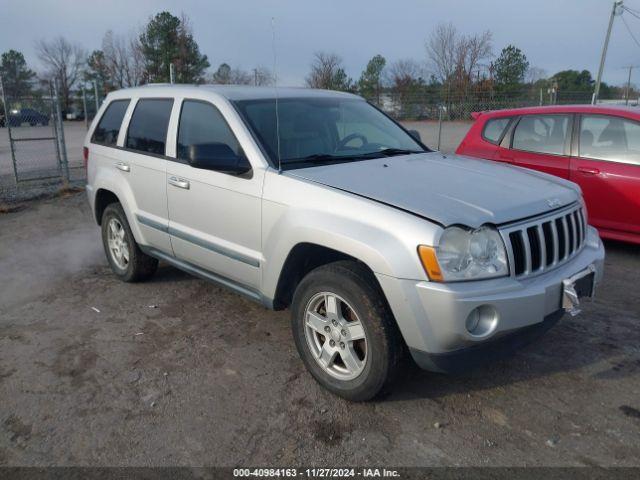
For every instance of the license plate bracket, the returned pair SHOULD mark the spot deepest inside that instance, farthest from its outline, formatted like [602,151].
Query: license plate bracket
[580,285]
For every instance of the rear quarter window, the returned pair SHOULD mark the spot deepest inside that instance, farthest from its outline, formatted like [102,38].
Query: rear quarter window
[106,133]
[494,128]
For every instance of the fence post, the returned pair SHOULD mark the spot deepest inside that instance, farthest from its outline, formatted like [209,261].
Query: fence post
[54,125]
[7,123]
[439,126]
[84,106]
[95,92]
[60,139]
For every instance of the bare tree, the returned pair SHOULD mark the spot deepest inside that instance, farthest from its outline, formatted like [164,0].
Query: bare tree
[403,73]
[64,61]
[327,72]
[124,60]
[471,51]
[262,76]
[442,51]
[405,78]
[455,57]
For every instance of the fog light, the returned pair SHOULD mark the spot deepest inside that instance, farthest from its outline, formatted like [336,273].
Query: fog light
[482,321]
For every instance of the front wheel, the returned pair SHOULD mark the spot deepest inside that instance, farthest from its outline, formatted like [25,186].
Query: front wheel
[344,331]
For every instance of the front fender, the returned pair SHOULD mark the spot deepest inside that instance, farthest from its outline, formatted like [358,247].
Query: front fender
[383,238]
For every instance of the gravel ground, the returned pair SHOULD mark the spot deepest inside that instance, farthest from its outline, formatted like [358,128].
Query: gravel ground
[177,371]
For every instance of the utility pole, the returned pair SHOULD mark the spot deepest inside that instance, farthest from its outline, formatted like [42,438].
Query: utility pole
[614,11]
[172,73]
[255,77]
[628,89]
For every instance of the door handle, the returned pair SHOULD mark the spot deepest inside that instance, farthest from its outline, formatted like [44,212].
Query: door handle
[123,166]
[589,170]
[179,182]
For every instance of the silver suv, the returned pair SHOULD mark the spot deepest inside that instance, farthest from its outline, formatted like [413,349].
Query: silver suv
[318,202]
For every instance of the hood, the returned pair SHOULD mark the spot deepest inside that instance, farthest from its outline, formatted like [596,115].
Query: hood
[449,189]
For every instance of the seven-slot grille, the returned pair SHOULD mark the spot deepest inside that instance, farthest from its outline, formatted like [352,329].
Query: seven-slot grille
[542,244]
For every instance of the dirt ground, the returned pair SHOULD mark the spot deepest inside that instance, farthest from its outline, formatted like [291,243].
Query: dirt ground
[177,371]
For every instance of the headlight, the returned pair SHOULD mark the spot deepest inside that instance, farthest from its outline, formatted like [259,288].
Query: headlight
[464,254]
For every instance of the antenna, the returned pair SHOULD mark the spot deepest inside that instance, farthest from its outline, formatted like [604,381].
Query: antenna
[275,86]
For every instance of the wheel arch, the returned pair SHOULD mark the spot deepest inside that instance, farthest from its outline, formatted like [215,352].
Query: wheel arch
[104,198]
[302,259]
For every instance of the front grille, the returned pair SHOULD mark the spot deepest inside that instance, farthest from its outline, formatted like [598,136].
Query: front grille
[546,242]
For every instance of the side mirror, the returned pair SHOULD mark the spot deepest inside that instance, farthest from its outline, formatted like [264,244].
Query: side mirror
[218,157]
[415,134]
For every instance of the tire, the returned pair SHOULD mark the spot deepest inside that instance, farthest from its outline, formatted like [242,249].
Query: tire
[135,266]
[379,360]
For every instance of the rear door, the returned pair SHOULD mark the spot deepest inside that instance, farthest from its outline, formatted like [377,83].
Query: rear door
[484,142]
[144,165]
[542,142]
[607,168]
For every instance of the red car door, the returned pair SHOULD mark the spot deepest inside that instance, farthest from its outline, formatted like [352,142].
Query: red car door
[607,169]
[541,142]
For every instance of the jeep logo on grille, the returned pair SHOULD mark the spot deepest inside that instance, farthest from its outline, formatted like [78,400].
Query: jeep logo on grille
[553,202]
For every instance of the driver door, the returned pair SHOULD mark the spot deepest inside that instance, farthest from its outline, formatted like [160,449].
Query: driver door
[214,217]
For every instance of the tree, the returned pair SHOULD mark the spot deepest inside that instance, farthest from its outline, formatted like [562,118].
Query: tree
[97,70]
[441,51]
[64,61]
[510,68]
[262,76]
[16,76]
[369,84]
[456,58]
[406,81]
[168,40]
[123,59]
[225,75]
[573,80]
[327,73]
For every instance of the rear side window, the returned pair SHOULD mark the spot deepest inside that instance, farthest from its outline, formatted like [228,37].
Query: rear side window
[106,133]
[202,123]
[494,129]
[148,127]
[610,138]
[541,134]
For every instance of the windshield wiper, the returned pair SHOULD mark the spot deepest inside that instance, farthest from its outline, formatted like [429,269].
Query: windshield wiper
[324,157]
[390,152]
[327,157]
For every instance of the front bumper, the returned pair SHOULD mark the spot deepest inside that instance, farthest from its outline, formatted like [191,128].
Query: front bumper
[432,316]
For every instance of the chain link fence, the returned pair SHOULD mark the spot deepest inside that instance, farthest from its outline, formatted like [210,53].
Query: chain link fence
[41,145]
[39,151]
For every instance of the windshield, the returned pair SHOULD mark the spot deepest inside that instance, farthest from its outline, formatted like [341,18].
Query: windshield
[315,131]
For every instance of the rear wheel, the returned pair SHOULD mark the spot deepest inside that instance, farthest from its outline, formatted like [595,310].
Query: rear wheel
[344,331]
[126,259]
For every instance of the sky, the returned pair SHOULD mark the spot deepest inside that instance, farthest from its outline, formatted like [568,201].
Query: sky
[554,34]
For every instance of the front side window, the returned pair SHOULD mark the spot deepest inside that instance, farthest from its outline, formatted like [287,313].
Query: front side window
[106,133]
[542,134]
[610,138]
[494,128]
[201,123]
[313,131]
[148,127]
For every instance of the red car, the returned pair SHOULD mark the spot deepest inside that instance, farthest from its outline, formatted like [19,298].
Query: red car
[597,147]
